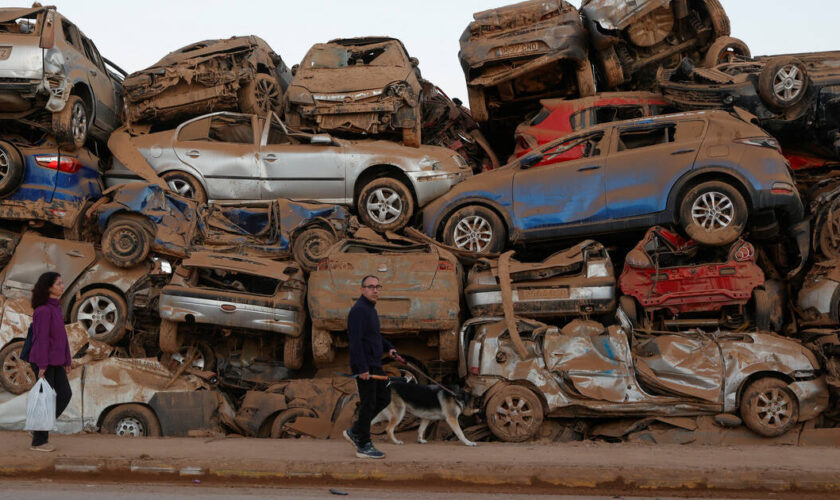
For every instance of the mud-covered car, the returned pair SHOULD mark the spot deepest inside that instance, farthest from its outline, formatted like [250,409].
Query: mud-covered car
[708,172]
[559,117]
[230,303]
[359,85]
[52,74]
[97,293]
[40,182]
[232,156]
[586,370]
[672,282]
[573,282]
[631,40]
[795,97]
[513,56]
[137,219]
[819,296]
[420,295]
[240,73]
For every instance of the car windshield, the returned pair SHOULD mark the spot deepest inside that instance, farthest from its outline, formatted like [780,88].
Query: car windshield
[336,56]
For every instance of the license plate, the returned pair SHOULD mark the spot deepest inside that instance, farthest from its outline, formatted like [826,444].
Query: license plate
[543,293]
[519,48]
[5,52]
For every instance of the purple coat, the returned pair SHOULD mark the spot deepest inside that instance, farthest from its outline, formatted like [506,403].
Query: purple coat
[49,338]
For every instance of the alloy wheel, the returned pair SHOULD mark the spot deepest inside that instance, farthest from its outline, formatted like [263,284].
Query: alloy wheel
[473,233]
[788,83]
[78,122]
[130,426]
[99,315]
[384,205]
[713,211]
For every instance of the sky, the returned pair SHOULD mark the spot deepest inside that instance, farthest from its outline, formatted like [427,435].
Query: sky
[136,34]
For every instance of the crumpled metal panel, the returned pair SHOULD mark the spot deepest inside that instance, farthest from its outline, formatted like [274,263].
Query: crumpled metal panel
[618,14]
[681,365]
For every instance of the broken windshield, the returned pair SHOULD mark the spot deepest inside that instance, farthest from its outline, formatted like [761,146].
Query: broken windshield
[334,57]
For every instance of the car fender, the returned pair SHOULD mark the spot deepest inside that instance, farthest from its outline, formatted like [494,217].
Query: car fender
[187,169]
[513,233]
[712,171]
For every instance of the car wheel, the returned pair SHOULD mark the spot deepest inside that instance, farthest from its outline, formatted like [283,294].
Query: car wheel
[127,240]
[412,135]
[169,340]
[385,204]
[783,82]
[11,168]
[280,428]
[261,95]
[310,247]
[769,408]
[293,348]
[585,79]
[725,49]
[323,347]
[132,420]
[102,312]
[713,213]
[204,358]
[70,125]
[763,309]
[610,68]
[630,308]
[185,185]
[448,344]
[514,414]
[475,229]
[16,375]
[717,16]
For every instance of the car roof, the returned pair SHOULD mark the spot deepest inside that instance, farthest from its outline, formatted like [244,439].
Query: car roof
[601,98]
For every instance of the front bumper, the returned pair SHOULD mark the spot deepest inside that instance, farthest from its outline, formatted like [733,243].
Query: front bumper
[430,185]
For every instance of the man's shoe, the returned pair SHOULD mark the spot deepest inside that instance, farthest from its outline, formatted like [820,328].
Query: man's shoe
[44,447]
[368,451]
[351,438]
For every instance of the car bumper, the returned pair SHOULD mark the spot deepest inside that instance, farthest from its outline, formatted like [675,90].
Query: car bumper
[486,300]
[429,185]
[286,320]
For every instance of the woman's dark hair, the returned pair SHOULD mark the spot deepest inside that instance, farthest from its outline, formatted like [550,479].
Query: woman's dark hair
[41,291]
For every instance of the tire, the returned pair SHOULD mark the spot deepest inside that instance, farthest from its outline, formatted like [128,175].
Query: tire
[16,375]
[169,340]
[630,308]
[475,229]
[718,18]
[310,247]
[261,95]
[720,201]
[131,420]
[71,124]
[127,240]
[448,345]
[610,68]
[11,168]
[725,49]
[830,235]
[514,414]
[783,82]
[585,79]
[185,185]
[323,347]
[103,313]
[293,348]
[385,204]
[279,429]
[205,358]
[763,309]
[769,408]
[412,136]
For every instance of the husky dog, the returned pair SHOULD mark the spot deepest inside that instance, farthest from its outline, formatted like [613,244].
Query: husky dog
[428,402]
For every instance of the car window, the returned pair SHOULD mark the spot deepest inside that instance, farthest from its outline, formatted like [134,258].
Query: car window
[276,135]
[71,34]
[608,114]
[341,57]
[91,53]
[220,128]
[234,281]
[582,146]
[636,138]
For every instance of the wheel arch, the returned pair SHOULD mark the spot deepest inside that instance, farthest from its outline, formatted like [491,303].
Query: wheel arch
[527,384]
[507,222]
[756,376]
[185,169]
[92,286]
[104,413]
[721,174]
[382,170]
[83,90]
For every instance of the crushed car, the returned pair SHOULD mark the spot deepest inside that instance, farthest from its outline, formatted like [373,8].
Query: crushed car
[671,282]
[420,298]
[819,295]
[235,304]
[631,40]
[577,281]
[52,75]
[585,370]
[233,156]
[241,73]
[366,85]
[138,219]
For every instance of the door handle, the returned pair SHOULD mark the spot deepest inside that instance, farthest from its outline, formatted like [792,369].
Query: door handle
[682,151]
[193,153]
[93,72]
[269,157]
[591,167]
[75,253]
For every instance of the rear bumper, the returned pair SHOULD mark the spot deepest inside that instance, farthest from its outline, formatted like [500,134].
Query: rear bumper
[547,302]
[184,309]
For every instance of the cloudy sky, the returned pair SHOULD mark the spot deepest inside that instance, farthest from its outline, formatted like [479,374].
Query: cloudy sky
[135,34]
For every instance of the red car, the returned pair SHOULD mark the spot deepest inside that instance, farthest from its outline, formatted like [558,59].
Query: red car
[661,275]
[560,117]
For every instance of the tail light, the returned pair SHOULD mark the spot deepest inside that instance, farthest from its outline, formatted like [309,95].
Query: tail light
[67,164]
[445,265]
[763,142]
[782,188]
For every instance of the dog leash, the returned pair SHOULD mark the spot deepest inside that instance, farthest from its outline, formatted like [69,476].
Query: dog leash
[373,377]
[421,372]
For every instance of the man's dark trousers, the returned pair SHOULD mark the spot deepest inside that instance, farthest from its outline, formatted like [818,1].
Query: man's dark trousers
[374,396]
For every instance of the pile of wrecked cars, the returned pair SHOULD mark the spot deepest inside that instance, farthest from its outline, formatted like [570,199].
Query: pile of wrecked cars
[661,248]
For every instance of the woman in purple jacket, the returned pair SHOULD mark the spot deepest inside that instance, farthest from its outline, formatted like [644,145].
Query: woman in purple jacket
[50,352]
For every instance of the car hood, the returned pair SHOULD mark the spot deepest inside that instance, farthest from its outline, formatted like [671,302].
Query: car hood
[352,79]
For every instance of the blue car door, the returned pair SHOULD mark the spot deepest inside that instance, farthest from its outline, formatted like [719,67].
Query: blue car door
[569,192]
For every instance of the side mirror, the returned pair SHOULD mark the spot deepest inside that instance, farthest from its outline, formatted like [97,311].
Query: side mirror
[530,160]
[414,62]
[295,69]
[323,139]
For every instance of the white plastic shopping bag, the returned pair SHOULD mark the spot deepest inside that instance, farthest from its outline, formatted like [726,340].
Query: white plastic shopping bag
[40,407]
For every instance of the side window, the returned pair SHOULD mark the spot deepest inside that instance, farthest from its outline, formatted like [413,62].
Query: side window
[90,52]
[584,146]
[198,130]
[579,120]
[224,280]
[276,135]
[222,128]
[608,114]
[71,35]
[636,138]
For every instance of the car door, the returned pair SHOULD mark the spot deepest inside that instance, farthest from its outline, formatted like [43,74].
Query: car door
[571,192]
[299,170]
[221,147]
[36,254]
[645,160]
[105,97]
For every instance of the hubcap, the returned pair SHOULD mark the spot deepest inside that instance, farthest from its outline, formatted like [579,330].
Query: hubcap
[515,414]
[773,408]
[126,242]
[99,315]
[384,205]
[130,426]
[78,123]
[268,95]
[713,211]
[4,165]
[788,83]
[473,233]
[182,187]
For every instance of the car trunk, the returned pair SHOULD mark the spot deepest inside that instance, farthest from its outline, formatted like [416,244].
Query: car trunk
[350,79]
[398,269]
[21,56]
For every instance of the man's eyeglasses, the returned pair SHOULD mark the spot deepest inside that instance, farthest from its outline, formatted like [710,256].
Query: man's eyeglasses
[372,287]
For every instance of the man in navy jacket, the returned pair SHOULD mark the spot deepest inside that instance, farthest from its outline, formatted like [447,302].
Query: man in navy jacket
[366,348]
